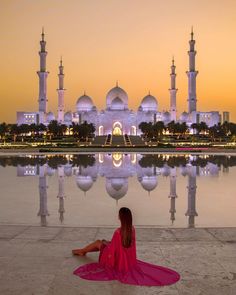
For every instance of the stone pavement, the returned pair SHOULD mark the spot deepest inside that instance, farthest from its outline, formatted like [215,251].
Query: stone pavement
[38,260]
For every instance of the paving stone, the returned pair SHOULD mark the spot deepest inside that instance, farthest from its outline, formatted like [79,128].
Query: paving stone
[45,249]
[192,234]
[77,234]
[228,263]
[12,247]
[18,283]
[224,234]
[105,233]
[182,250]
[4,262]
[39,233]
[34,265]
[150,252]
[193,267]
[11,231]
[206,286]
[221,250]
[154,235]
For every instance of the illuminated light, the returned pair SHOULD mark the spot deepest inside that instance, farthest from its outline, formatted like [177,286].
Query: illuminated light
[117,128]
[117,156]
[117,159]
[118,164]
[100,158]
[133,158]
[117,123]
[133,130]
[100,130]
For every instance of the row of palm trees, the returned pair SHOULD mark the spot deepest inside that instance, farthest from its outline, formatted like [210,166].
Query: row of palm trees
[155,131]
[54,130]
[85,131]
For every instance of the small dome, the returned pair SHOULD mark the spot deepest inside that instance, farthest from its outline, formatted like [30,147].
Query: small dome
[149,103]
[68,170]
[183,170]
[184,117]
[84,103]
[115,93]
[50,171]
[165,170]
[149,183]
[116,187]
[50,117]
[213,169]
[166,116]
[84,182]
[68,117]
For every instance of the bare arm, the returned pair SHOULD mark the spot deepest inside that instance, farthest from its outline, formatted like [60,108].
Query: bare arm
[105,242]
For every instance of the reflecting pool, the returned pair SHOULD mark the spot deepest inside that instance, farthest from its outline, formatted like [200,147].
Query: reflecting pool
[88,189]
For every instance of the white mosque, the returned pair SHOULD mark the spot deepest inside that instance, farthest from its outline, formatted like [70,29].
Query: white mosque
[117,118]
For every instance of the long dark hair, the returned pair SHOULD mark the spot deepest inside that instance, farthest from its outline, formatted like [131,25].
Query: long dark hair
[125,216]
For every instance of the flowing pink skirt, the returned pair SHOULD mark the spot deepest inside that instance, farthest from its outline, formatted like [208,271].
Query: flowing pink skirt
[142,274]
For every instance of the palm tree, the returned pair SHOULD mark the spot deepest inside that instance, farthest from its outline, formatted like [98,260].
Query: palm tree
[195,127]
[23,130]
[171,126]
[232,128]
[182,128]
[3,131]
[158,128]
[53,129]
[33,129]
[75,129]
[85,130]
[213,132]
[63,129]
[14,131]
[146,128]
[203,127]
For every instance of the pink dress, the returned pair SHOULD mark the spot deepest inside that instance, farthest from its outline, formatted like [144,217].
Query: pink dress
[119,263]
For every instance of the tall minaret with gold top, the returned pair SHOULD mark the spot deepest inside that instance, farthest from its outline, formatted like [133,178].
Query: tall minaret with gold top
[61,91]
[43,74]
[173,91]
[192,74]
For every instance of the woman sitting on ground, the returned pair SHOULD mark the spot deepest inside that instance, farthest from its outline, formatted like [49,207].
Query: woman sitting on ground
[117,259]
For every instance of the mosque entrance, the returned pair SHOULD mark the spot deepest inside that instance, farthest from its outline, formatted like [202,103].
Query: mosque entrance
[117,128]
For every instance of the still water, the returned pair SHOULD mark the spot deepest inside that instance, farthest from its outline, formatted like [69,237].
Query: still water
[88,190]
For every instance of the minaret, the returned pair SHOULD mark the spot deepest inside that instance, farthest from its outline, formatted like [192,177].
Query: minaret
[173,91]
[191,212]
[61,192]
[61,91]
[43,210]
[42,80]
[173,194]
[192,74]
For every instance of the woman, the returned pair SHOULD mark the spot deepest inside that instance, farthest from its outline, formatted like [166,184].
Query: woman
[117,259]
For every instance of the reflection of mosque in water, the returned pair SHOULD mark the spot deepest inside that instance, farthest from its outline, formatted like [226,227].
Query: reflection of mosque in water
[117,168]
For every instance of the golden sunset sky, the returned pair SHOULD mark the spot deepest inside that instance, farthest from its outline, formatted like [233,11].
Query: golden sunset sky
[131,41]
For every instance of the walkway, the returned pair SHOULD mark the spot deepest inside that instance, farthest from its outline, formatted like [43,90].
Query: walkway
[118,141]
[38,260]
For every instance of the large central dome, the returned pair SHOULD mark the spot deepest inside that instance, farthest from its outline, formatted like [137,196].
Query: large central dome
[117,99]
